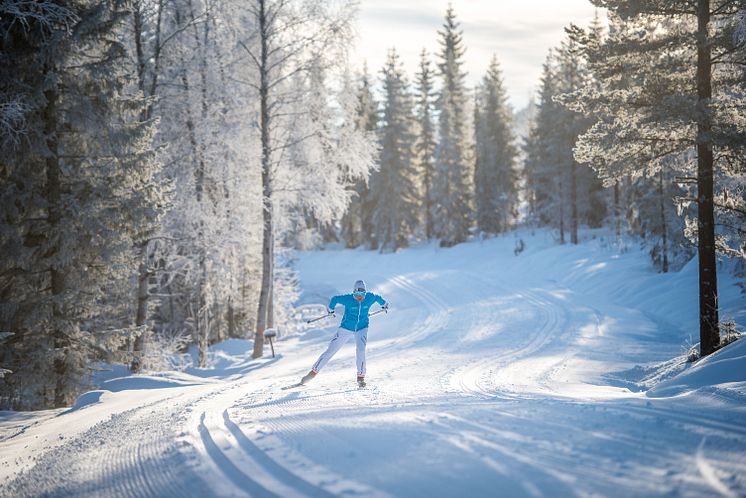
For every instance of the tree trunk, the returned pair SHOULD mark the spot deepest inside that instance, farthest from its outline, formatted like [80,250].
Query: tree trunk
[267,231]
[199,175]
[271,306]
[231,319]
[709,334]
[617,213]
[573,203]
[562,209]
[57,275]
[664,226]
[143,274]
[428,205]
[142,307]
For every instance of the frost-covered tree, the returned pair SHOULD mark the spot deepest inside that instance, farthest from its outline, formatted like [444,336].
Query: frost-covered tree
[426,139]
[289,39]
[357,222]
[586,200]
[87,167]
[328,154]
[562,192]
[197,266]
[652,214]
[681,63]
[495,179]
[453,173]
[396,190]
[545,148]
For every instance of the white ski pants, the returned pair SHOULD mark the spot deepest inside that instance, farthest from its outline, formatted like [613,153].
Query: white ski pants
[339,339]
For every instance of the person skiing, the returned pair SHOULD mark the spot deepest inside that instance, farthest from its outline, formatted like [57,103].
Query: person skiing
[354,323]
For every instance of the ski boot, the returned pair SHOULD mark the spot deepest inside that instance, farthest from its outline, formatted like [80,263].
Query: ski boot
[360,381]
[308,377]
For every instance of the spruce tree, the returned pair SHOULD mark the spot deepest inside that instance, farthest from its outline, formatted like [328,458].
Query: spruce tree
[357,227]
[89,165]
[426,140]
[546,179]
[495,179]
[396,191]
[453,172]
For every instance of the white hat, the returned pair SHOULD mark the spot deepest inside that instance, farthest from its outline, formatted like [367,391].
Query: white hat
[359,286]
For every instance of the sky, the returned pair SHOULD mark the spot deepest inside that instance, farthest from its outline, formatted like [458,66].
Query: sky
[519,32]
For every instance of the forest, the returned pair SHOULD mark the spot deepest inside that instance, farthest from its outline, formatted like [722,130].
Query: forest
[163,161]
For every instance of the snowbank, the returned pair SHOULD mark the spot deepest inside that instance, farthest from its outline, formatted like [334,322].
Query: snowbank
[726,366]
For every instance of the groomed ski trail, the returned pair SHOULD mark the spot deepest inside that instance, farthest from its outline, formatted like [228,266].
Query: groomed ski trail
[487,379]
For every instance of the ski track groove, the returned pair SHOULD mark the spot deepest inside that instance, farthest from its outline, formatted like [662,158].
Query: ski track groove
[277,418]
[470,379]
[88,466]
[437,318]
[223,462]
[272,467]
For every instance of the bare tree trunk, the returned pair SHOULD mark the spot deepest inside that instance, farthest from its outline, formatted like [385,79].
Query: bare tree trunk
[267,232]
[426,180]
[199,176]
[617,212]
[143,273]
[573,203]
[709,333]
[664,226]
[271,307]
[562,208]
[231,318]
[204,332]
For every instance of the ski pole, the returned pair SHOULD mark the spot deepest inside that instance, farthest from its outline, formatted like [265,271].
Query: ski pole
[379,311]
[319,318]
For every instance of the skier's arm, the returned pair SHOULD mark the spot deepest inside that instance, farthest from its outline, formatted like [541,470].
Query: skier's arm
[381,301]
[333,303]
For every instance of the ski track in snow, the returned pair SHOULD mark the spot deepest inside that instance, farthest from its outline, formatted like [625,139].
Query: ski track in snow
[478,388]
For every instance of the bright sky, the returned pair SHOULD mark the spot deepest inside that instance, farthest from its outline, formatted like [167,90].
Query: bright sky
[520,32]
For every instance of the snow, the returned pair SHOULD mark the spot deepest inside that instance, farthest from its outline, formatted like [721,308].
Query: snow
[557,372]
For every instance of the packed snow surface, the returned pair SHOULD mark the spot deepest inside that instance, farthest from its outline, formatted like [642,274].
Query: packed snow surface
[554,372]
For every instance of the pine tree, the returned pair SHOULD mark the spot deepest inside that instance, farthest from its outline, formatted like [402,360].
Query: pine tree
[496,192]
[453,172]
[357,223]
[398,202]
[674,100]
[426,142]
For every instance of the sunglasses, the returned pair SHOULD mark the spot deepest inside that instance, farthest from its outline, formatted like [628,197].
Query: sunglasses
[359,292]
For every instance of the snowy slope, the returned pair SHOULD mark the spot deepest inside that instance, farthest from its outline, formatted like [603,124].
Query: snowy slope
[493,375]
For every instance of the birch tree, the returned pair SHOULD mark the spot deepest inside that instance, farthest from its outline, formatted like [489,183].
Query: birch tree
[290,38]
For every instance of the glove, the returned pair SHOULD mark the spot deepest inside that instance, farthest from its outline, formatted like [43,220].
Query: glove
[385,307]
[330,311]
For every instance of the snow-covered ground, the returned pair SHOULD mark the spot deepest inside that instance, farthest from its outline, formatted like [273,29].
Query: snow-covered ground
[549,374]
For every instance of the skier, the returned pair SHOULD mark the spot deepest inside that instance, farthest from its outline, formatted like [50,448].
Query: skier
[354,323]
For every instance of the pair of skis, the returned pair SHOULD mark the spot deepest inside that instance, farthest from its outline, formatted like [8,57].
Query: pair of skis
[301,384]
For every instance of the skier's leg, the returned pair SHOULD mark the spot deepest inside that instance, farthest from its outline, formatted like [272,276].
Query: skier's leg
[337,342]
[361,340]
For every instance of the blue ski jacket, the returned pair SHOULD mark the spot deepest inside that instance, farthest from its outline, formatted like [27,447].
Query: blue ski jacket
[356,312]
